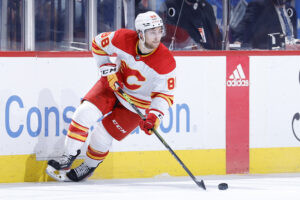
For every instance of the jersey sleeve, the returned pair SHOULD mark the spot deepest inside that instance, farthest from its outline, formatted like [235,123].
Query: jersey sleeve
[163,94]
[102,47]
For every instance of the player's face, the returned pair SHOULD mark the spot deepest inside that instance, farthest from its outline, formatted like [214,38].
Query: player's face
[153,37]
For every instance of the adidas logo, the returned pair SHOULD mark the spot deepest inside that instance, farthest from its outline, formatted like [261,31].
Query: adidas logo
[238,78]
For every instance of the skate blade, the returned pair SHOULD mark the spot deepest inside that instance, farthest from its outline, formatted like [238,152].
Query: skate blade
[59,175]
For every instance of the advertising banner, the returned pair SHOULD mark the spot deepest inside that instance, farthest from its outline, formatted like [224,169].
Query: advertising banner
[237,114]
[233,112]
[40,95]
[275,102]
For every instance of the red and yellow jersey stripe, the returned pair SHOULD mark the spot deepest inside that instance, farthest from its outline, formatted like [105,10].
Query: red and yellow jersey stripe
[140,103]
[168,98]
[77,132]
[76,136]
[97,50]
[95,155]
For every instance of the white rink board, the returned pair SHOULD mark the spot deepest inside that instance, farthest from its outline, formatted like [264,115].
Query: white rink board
[31,87]
[201,86]
[41,83]
[274,99]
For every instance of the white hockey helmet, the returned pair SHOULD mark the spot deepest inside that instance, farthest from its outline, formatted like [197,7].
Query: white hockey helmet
[146,21]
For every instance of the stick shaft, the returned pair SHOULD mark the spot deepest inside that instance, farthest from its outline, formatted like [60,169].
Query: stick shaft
[175,155]
[201,183]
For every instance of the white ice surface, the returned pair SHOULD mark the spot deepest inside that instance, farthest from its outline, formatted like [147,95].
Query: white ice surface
[241,187]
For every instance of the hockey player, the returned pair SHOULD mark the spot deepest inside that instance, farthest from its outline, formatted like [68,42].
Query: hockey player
[144,69]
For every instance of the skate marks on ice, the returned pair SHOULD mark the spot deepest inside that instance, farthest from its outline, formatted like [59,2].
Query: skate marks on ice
[246,187]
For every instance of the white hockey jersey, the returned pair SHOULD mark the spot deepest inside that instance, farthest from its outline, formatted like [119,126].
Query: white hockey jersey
[149,80]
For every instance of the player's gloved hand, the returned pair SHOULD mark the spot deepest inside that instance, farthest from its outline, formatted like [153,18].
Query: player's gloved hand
[112,80]
[108,69]
[151,121]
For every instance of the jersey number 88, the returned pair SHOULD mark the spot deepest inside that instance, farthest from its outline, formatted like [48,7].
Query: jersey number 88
[171,83]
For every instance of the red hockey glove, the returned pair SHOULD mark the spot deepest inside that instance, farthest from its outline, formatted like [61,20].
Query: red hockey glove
[151,122]
[110,71]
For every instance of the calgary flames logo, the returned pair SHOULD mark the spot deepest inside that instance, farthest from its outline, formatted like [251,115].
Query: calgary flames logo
[132,77]
[296,127]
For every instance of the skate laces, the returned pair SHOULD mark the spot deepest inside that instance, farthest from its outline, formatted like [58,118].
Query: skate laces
[82,170]
[65,159]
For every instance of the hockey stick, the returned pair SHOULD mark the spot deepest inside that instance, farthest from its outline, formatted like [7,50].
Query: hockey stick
[126,97]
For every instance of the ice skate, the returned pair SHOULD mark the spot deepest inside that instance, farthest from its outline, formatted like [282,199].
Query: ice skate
[80,173]
[57,169]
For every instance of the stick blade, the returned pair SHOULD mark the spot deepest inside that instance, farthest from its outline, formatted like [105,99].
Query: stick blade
[201,184]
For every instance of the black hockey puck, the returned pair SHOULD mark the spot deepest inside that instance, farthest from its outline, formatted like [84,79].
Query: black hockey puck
[223,186]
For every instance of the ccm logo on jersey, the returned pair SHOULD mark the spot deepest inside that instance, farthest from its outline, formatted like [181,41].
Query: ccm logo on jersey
[118,126]
[108,69]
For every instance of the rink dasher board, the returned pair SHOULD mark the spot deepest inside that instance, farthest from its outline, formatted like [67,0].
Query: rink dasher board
[38,102]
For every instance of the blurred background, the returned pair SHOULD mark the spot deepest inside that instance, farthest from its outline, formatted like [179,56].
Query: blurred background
[70,25]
